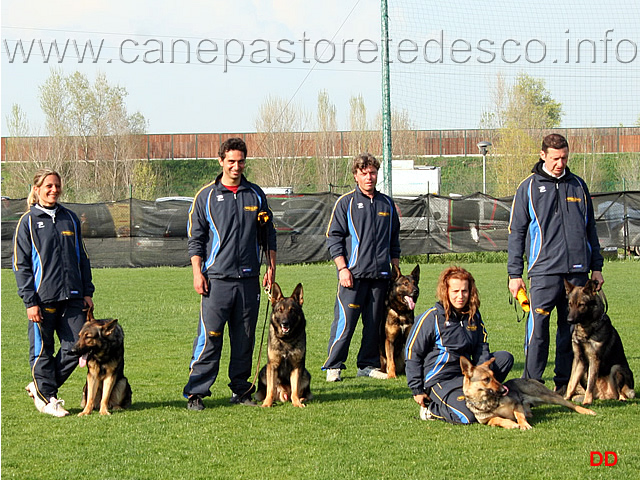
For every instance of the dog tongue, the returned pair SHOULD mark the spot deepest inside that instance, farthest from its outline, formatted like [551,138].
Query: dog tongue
[410,303]
[83,361]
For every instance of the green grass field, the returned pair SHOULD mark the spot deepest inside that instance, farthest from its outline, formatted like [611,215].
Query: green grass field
[360,428]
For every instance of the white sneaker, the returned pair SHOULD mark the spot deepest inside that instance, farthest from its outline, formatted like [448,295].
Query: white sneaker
[54,407]
[372,372]
[31,390]
[334,375]
[425,414]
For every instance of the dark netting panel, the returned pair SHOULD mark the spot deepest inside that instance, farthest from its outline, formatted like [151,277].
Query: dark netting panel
[136,233]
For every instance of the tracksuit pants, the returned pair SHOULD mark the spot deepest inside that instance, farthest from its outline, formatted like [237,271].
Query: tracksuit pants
[447,398]
[547,292]
[49,370]
[234,302]
[367,297]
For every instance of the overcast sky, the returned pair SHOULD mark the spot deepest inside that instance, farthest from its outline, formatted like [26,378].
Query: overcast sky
[206,66]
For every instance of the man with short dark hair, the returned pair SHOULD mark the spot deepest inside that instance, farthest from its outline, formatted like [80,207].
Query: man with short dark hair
[552,215]
[229,221]
[363,238]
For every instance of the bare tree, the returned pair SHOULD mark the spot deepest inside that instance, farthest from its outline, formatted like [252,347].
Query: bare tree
[402,133]
[331,169]
[281,126]
[93,135]
[359,126]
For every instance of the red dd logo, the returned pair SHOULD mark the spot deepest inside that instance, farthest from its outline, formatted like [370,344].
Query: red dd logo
[608,458]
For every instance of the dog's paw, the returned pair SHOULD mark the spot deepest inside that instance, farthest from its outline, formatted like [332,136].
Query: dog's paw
[525,426]
[84,412]
[105,412]
[584,411]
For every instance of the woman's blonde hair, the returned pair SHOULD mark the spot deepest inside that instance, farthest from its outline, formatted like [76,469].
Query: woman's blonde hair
[38,180]
[442,292]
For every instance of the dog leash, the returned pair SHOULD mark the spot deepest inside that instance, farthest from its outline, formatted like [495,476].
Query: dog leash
[604,300]
[267,290]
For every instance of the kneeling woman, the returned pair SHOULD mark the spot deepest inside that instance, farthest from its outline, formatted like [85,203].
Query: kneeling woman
[440,336]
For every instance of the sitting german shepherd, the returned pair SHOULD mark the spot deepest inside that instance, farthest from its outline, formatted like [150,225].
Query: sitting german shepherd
[284,376]
[599,363]
[507,405]
[400,305]
[101,348]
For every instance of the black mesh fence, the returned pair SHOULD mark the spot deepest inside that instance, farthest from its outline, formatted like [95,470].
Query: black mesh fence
[137,233]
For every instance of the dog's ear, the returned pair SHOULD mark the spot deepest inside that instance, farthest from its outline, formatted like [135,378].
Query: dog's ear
[466,366]
[276,293]
[489,362]
[568,286]
[297,295]
[591,287]
[395,272]
[109,327]
[415,273]
[90,317]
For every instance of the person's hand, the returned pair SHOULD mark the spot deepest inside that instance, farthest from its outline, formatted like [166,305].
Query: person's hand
[422,399]
[34,314]
[269,277]
[200,283]
[345,277]
[597,276]
[88,304]
[515,284]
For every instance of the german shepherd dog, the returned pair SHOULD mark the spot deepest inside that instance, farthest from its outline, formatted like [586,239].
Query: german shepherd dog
[285,377]
[400,304]
[507,405]
[101,348]
[599,363]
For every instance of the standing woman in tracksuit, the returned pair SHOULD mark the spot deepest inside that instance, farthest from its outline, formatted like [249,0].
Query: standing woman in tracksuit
[552,216]
[439,337]
[53,274]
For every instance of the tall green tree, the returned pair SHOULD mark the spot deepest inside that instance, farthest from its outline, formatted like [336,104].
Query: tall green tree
[520,113]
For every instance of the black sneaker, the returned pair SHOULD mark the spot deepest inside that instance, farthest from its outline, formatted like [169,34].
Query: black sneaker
[195,403]
[242,400]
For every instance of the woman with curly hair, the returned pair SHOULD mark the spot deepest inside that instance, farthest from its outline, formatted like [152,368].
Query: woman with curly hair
[452,328]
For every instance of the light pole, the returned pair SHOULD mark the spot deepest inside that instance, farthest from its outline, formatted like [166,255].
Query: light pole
[484,148]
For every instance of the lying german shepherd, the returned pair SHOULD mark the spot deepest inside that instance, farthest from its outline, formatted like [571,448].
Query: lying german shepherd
[400,304]
[599,363]
[507,405]
[284,376]
[101,348]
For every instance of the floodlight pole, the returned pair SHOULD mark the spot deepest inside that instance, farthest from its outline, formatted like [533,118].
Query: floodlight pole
[484,173]
[385,184]
[484,148]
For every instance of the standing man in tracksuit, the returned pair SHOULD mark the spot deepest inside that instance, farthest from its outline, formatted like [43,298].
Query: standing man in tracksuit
[552,214]
[363,238]
[229,221]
